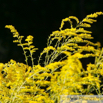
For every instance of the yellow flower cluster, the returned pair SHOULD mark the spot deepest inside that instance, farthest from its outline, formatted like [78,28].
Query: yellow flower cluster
[25,46]
[62,72]
[13,30]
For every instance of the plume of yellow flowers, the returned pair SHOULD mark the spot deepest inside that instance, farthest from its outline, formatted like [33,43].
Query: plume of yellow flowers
[62,72]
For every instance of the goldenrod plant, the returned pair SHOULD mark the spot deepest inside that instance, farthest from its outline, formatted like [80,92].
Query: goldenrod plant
[61,72]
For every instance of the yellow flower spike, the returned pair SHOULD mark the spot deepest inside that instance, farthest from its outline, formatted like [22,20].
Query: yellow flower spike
[21,37]
[29,38]
[64,20]
[85,25]
[89,20]
[15,41]
[75,18]
[32,46]
[95,15]
[26,48]
[13,30]
[99,13]
[67,53]
[47,49]
[98,44]
[92,15]
[84,35]
[82,30]
[12,61]
[78,55]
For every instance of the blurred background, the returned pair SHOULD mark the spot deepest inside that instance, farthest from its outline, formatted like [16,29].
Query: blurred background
[39,18]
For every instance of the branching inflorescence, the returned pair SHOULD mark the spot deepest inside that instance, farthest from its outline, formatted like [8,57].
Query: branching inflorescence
[21,83]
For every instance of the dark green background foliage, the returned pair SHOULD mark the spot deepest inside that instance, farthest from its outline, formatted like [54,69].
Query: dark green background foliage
[39,18]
